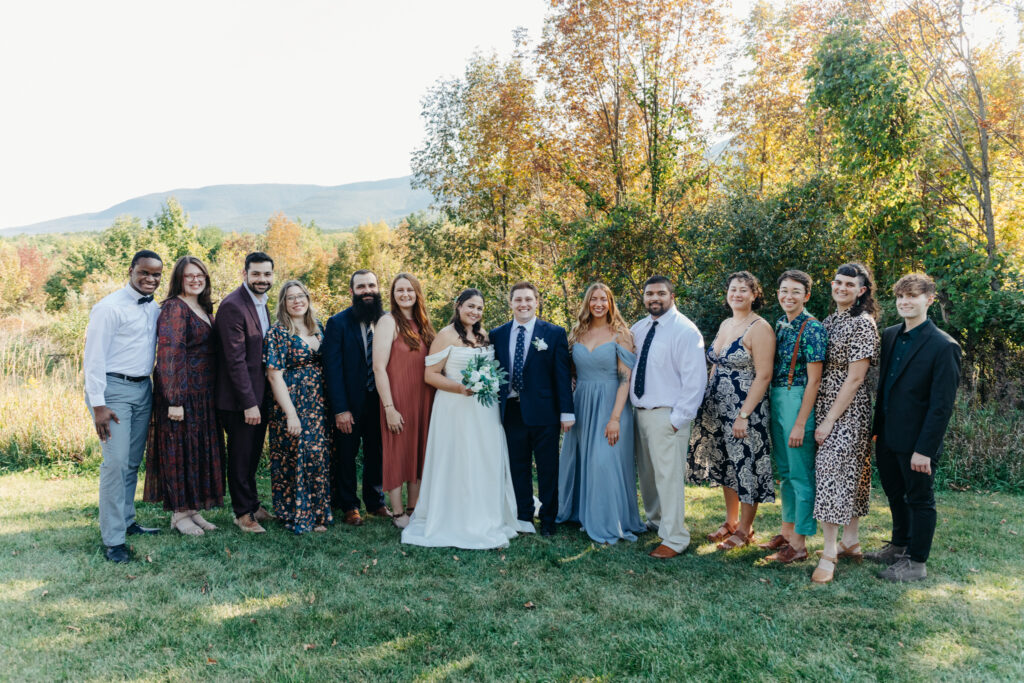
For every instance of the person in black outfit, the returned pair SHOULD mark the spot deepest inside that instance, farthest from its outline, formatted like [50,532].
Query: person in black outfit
[353,399]
[919,375]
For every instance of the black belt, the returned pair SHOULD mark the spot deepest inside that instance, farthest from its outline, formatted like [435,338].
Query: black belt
[127,378]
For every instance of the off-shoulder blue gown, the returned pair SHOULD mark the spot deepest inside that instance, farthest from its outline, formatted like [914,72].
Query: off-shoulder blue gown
[597,482]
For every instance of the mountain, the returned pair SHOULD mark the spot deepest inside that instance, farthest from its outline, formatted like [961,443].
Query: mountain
[246,208]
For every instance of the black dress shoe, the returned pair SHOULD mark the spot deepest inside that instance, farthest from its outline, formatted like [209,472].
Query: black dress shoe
[136,529]
[547,529]
[118,553]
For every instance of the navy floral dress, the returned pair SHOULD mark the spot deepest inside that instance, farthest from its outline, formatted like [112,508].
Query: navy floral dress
[299,465]
[716,456]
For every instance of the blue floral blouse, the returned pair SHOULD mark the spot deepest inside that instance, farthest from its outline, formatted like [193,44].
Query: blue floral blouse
[812,348]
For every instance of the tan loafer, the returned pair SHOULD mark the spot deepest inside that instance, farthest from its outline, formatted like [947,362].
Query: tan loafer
[248,523]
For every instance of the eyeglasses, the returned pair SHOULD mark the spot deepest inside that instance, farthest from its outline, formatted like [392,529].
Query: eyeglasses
[194,277]
[292,298]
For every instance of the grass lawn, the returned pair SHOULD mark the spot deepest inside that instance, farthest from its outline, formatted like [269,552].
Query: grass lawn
[354,604]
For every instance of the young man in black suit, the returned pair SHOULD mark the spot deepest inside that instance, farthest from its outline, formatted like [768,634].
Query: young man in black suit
[919,375]
[536,403]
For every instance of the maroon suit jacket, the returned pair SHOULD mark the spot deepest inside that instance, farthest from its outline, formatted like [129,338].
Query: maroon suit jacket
[241,382]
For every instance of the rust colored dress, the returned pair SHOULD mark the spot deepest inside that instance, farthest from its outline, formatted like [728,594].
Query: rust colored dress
[403,452]
[184,460]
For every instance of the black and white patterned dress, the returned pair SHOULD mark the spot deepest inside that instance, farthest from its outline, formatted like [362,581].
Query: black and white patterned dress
[716,456]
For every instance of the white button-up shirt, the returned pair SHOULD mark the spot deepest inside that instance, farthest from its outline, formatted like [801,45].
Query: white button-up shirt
[527,336]
[676,372]
[121,338]
[261,308]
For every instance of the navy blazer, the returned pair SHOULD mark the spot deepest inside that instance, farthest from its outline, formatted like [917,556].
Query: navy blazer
[345,363]
[547,382]
[921,398]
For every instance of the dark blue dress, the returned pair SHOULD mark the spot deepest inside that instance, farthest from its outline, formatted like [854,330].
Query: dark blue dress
[597,482]
[299,465]
[716,456]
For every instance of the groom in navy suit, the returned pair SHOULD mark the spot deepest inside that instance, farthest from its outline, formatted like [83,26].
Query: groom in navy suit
[535,403]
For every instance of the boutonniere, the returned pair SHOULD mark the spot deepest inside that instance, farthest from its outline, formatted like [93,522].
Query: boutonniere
[783,324]
[540,344]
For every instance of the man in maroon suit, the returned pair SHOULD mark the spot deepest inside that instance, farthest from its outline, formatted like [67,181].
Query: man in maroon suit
[242,320]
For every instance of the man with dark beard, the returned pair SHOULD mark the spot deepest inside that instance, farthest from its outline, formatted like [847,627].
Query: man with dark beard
[352,392]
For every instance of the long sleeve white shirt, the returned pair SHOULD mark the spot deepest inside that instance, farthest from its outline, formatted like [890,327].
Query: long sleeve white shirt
[676,372]
[121,338]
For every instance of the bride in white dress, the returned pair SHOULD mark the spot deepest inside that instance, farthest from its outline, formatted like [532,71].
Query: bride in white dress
[466,496]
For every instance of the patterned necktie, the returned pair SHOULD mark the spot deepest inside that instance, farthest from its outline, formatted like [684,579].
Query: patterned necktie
[371,383]
[641,366]
[517,362]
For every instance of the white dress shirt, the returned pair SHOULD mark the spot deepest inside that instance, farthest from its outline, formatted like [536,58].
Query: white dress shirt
[676,371]
[121,338]
[261,308]
[527,338]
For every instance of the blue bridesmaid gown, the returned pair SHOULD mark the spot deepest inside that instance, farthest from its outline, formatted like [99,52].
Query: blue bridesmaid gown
[597,482]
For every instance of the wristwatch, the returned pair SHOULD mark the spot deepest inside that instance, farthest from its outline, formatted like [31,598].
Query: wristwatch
[744,415]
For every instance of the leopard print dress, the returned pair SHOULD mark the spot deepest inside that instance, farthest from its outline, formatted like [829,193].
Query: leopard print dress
[843,463]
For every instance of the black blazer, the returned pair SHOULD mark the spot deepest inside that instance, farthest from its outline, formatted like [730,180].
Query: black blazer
[921,398]
[345,363]
[547,382]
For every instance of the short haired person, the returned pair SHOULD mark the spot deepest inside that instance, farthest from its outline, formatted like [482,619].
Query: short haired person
[535,403]
[120,348]
[919,375]
[667,388]
[242,321]
[354,400]
[800,347]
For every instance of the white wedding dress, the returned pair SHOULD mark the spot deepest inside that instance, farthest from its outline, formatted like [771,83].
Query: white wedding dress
[466,496]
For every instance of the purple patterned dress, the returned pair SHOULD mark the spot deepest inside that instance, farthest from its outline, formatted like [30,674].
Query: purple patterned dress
[184,460]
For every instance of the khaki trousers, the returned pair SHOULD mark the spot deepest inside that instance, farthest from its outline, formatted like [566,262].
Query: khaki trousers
[661,465]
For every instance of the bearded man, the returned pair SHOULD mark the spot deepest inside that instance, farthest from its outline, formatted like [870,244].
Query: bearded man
[352,393]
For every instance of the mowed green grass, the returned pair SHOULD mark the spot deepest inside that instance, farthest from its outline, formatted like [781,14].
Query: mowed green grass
[354,604]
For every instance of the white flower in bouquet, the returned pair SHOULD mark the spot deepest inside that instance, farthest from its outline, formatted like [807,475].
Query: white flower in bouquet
[483,377]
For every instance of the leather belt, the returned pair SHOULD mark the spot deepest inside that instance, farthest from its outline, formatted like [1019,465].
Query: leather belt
[127,378]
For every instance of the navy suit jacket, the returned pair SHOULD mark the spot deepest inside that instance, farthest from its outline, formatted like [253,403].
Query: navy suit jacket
[547,383]
[345,363]
[922,395]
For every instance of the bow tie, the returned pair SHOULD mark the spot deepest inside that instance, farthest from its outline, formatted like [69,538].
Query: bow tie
[144,299]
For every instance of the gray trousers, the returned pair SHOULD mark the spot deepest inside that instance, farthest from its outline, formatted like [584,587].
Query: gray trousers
[132,402]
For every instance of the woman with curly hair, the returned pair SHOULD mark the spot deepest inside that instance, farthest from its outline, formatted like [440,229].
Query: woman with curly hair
[597,476]
[730,446]
[843,412]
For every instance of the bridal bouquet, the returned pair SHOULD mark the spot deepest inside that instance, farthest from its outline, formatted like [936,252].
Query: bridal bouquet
[483,377]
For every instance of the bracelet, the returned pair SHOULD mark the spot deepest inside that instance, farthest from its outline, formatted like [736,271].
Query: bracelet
[389,405]
[614,419]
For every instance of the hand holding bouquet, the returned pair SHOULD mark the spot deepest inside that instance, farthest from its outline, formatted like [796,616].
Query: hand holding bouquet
[483,377]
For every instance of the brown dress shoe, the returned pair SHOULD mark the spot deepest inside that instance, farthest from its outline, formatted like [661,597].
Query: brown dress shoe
[353,518]
[248,523]
[382,511]
[663,552]
[262,515]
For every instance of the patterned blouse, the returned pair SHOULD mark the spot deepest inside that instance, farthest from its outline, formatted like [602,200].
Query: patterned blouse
[813,343]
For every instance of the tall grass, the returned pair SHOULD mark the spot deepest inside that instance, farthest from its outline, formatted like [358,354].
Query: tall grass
[43,417]
[984,448]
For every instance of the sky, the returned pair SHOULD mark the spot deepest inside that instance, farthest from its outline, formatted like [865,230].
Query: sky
[107,100]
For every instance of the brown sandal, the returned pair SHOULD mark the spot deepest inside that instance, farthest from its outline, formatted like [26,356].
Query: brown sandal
[821,575]
[778,542]
[724,532]
[852,553]
[787,555]
[730,543]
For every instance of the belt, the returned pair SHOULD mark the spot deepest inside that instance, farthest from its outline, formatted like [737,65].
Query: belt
[127,378]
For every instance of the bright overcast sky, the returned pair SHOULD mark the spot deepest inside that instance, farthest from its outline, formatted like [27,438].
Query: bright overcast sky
[105,100]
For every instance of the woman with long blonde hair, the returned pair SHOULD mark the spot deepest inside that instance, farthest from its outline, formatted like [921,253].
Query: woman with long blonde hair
[597,476]
[300,438]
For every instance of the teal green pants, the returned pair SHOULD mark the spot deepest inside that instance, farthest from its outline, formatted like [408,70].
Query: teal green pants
[794,465]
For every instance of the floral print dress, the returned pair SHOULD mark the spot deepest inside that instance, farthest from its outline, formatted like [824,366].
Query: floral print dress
[716,456]
[299,465]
